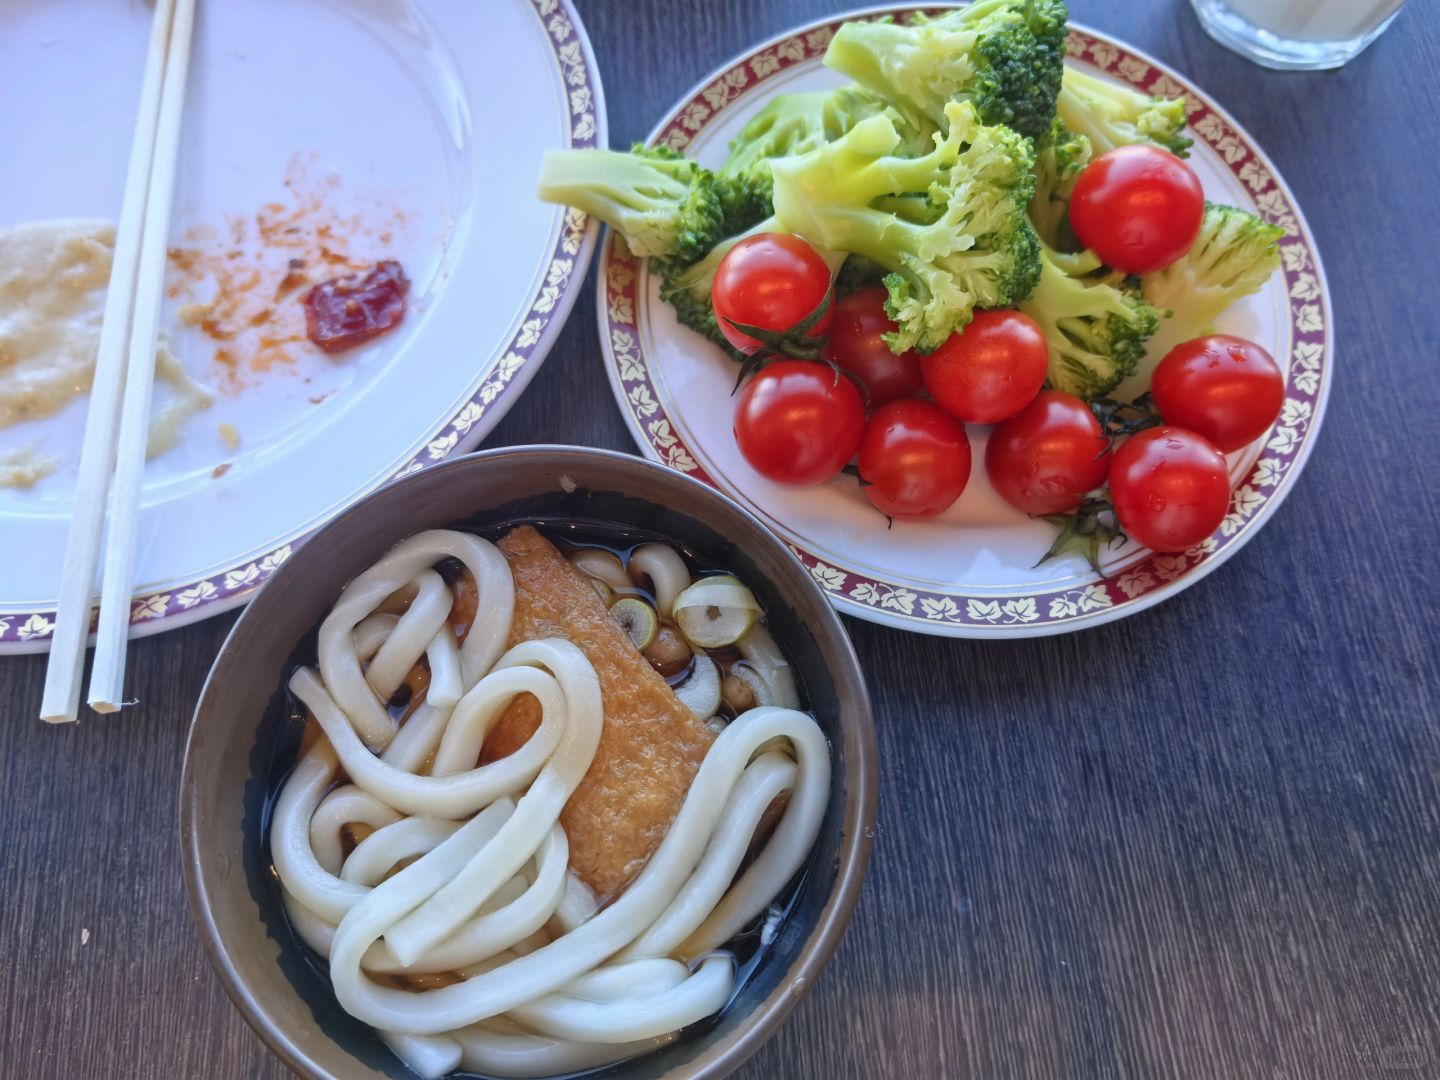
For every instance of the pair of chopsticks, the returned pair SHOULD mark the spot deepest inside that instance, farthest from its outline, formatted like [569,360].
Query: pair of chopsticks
[112,466]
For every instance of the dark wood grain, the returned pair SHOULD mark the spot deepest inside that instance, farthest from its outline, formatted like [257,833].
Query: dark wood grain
[1198,843]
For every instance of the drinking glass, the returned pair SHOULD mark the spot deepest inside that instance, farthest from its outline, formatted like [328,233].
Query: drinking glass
[1302,35]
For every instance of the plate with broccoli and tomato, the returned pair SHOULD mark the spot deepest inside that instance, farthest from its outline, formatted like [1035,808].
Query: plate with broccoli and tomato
[1005,327]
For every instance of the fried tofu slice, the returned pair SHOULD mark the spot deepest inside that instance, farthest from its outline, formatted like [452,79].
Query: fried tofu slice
[651,745]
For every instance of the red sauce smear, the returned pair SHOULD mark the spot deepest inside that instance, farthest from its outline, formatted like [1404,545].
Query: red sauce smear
[346,311]
[250,274]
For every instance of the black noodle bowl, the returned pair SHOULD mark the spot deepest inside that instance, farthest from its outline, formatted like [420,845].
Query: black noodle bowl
[284,720]
[244,740]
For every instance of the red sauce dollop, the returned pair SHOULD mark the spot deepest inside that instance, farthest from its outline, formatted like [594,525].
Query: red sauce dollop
[346,311]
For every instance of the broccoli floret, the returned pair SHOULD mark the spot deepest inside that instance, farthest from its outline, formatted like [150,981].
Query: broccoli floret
[744,199]
[1095,329]
[1005,56]
[1111,115]
[689,294]
[1060,158]
[1234,254]
[662,203]
[949,227]
[1232,257]
[796,124]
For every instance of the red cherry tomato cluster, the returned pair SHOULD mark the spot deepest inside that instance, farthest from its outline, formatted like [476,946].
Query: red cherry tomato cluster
[1169,486]
[801,421]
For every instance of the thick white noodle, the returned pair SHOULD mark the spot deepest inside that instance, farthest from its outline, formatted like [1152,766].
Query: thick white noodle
[603,566]
[339,662]
[418,738]
[345,805]
[510,1051]
[411,635]
[758,647]
[668,574]
[431,1056]
[463,869]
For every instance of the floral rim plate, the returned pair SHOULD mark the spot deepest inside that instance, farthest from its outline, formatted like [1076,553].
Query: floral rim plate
[968,573]
[490,291]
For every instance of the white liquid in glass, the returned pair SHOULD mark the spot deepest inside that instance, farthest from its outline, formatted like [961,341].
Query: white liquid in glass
[1315,20]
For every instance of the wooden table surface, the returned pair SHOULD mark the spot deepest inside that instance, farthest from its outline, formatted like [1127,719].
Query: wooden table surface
[1200,842]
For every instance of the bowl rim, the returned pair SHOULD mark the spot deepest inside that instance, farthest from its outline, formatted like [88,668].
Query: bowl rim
[858,814]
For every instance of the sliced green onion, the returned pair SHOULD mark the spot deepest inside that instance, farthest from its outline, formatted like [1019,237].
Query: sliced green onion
[668,574]
[603,566]
[716,611]
[636,618]
[769,663]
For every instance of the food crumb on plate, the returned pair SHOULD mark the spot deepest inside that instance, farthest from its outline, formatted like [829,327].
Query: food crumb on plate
[24,467]
[194,314]
[231,434]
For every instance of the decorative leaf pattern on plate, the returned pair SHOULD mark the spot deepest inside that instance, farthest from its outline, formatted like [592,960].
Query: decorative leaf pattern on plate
[828,577]
[1255,176]
[1104,54]
[1169,567]
[767,63]
[1135,582]
[36,626]
[679,459]
[1305,367]
[642,402]
[817,41]
[149,607]
[1275,209]
[1132,69]
[724,88]
[695,115]
[983,610]
[939,607]
[197,593]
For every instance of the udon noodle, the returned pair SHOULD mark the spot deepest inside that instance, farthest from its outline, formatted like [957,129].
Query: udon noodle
[456,926]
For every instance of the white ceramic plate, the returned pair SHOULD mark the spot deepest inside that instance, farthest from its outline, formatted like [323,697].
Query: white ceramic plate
[969,572]
[418,127]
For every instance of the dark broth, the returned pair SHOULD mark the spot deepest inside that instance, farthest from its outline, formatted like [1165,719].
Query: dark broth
[287,717]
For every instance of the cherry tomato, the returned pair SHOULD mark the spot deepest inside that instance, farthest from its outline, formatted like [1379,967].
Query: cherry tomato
[1226,388]
[857,345]
[990,370]
[914,459]
[799,422]
[1045,459]
[1137,207]
[769,280]
[1169,488]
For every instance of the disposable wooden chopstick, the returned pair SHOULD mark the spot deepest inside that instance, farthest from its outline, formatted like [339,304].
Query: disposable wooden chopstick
[107,676]
[97,454]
